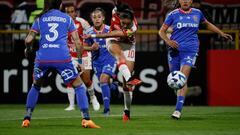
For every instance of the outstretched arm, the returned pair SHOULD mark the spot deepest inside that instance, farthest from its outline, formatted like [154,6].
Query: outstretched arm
[215,29]
[115,33]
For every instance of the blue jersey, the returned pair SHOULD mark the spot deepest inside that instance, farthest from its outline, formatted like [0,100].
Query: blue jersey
[102,54]
[53,27]
[185,28]
[103,61]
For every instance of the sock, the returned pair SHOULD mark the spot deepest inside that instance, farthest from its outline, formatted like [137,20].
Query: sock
[127,100]
[124,71]
[180,102]
[32,98]
[105,95]
[82,101]
[91,91]
[71,96]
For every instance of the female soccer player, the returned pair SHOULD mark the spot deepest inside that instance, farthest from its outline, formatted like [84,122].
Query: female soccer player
[183,43]
[53,53]
[82,26]
[121,44]
[104,63]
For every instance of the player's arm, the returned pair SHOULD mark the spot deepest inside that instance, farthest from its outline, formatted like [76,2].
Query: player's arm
[163,35]
[215,29]
[93,47]
[29,41]
[115,33]
[78,43]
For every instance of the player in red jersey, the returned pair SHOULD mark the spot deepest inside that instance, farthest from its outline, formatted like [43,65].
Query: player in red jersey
[82,25]
[120,43]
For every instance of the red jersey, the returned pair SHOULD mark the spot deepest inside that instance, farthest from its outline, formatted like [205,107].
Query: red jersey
[130,33]
[80,28]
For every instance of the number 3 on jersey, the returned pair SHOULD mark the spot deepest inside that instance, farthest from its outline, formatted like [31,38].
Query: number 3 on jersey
[53,30]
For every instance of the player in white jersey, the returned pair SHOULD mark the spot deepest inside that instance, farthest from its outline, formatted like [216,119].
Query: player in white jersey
[82,26]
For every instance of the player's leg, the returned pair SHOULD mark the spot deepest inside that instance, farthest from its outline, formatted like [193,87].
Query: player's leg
[187,61]
[33,94]
[106,95]
[71,98]
[73,77]
[127,92]
[116,50]
[86,77]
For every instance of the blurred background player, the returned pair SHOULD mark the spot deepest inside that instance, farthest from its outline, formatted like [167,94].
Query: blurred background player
[120,43]
[82,26]
[183,43]
[104,63]
[53,53]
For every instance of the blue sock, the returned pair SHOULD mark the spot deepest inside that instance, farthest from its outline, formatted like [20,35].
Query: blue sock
[106,95]
[180,102]
[32,99]
[82,101]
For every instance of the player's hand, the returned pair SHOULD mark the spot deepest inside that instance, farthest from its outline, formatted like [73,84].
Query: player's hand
[227,36]
[95,46]
[172,44]
[27,52]
[86,36]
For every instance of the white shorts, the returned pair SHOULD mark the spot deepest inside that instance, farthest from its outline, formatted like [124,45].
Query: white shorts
[87,61]
[128,49]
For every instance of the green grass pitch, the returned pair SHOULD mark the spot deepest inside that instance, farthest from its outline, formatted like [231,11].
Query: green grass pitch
[51,119]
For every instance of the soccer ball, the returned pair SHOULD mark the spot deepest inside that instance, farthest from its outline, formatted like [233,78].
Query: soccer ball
[176,80]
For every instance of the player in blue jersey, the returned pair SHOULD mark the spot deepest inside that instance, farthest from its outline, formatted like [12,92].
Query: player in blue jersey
[104,64]
[183,43]
[53,53]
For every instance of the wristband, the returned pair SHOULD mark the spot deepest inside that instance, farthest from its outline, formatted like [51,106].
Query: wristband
[93,35]
[79,61]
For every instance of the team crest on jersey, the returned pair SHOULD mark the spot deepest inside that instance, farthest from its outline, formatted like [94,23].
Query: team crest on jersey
[195,18]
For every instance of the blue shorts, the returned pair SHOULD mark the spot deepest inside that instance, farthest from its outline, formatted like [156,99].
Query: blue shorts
[107,67]
[176,59]
[67,70]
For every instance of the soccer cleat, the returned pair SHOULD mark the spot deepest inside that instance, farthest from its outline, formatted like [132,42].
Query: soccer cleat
[176,115]
[26,123]
[126,115]
[89,124]
[134,82]
[95,103]
[70,108]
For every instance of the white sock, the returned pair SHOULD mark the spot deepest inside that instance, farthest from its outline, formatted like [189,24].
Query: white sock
[127,100]
[125,71]
[91,91]
[71,96]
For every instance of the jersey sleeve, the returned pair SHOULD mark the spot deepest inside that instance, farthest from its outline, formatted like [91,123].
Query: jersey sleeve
[84,24]
[72,26]
[90,40]
[35,26]
[169,20]
[202,17]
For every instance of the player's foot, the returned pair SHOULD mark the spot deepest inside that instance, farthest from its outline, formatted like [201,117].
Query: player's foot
[176,115]
[70,108]
[106,112]
[126,115]
[89,124]
[134,82]
[95,103]
[26,123]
